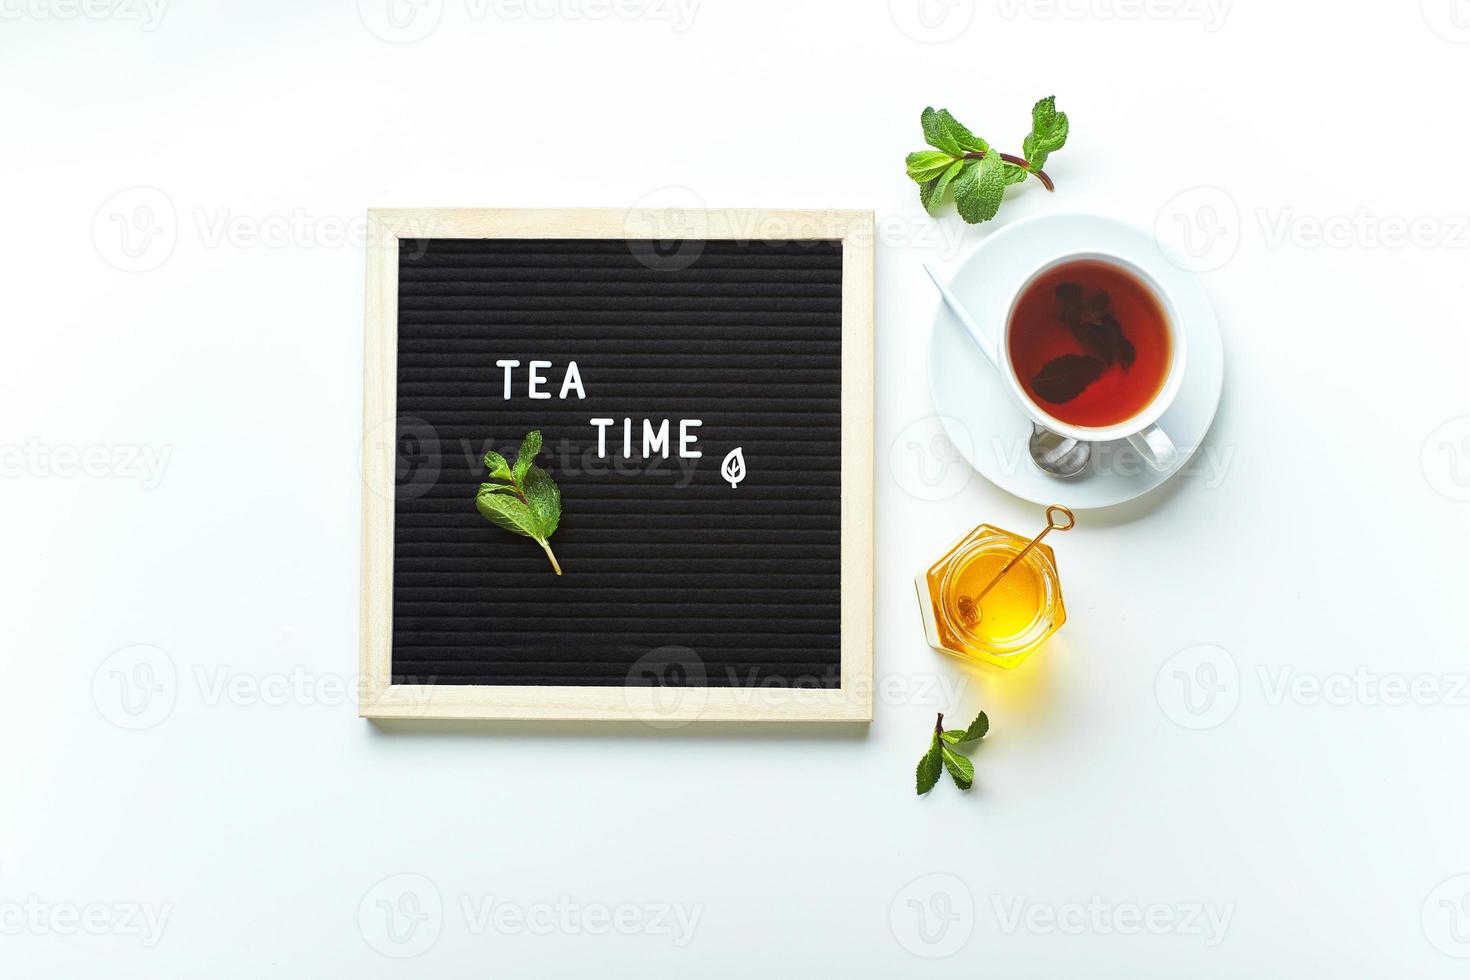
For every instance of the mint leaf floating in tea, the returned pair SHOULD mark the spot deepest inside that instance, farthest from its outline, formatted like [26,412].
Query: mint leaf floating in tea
[978,175]
[1062,379]
[526,501]
[1121,349]
[945,756]
[1092,322]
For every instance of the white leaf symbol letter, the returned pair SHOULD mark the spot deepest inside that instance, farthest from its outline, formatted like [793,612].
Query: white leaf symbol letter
[733,468]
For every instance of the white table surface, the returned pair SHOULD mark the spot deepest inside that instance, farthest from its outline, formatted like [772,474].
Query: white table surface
[164,485]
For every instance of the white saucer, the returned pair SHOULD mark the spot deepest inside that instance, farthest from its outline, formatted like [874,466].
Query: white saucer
[979,414]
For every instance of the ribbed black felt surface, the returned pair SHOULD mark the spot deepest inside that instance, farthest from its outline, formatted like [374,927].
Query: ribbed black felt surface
[656,553]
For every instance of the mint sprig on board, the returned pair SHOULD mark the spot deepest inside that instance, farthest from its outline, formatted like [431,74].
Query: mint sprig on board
[524,500]
[965,164]
[945,756]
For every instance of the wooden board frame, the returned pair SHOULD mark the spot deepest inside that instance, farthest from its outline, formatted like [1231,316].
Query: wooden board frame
[657,706]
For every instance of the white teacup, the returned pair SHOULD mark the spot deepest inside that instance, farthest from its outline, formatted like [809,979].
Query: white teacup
[1141,430]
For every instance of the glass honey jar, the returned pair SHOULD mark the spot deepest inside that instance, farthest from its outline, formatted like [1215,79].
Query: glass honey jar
[1014,613]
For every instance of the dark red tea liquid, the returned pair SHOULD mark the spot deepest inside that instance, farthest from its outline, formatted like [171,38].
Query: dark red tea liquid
[1039,334]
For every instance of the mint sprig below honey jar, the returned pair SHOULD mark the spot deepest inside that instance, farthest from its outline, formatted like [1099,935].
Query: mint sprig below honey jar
[944,754]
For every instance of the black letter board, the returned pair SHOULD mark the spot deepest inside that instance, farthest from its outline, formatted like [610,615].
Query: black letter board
[705,407]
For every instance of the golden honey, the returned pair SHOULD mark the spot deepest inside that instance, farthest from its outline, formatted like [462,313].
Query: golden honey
[1022,609]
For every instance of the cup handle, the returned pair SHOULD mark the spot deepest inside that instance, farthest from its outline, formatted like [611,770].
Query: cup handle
[1155,446]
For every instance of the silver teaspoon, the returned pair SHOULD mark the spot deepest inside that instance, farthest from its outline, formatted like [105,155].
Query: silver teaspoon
[1056,454]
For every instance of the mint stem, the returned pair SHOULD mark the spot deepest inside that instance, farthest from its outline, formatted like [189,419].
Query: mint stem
[939,724]
[1019,162]
[546,547]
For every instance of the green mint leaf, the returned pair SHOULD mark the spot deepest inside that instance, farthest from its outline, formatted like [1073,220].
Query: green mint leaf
[508,512]
[530,447]
[957,134]
[961,769]
[944,132]
[545,500]
[930,766]
[495,488]
[927,164]
[1048,132]
[498,467]
[977,728]
[954,736]
[978,189]
[979,185]
[931,194]
[937,133]
[529,504]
